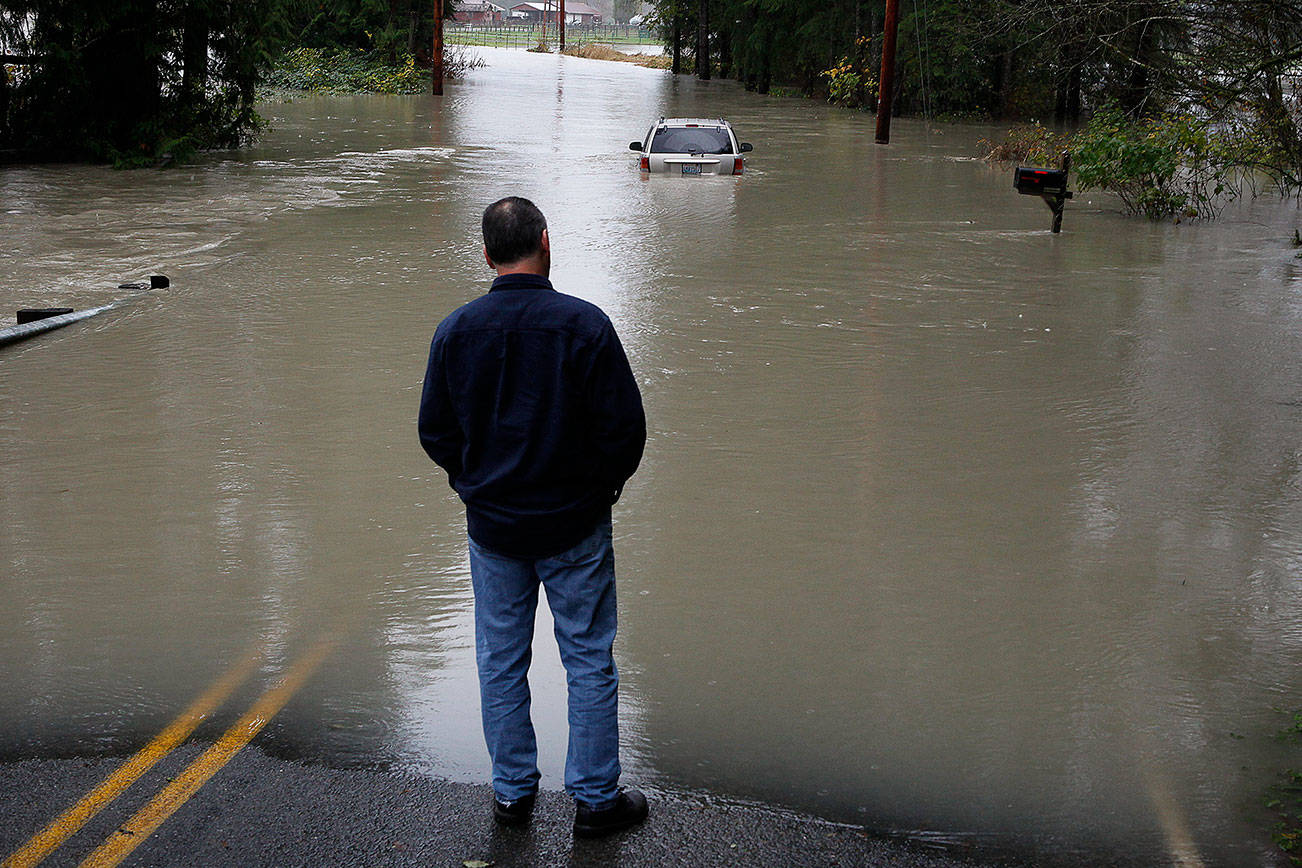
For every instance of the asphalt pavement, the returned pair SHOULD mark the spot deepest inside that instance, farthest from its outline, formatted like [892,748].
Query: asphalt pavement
[264,811]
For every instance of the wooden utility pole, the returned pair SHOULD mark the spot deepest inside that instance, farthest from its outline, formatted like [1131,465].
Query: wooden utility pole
[886,82]
[436,62]
[561,24]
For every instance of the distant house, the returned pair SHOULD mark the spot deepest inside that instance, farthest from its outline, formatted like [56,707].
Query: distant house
[478,12]
[575,12]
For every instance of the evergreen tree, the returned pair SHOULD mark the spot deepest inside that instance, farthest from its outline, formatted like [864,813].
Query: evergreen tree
[133,81]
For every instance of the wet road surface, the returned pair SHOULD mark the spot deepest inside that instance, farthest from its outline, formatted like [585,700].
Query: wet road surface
[263,811]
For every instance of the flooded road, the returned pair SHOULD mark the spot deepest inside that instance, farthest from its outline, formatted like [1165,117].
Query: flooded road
[946,524]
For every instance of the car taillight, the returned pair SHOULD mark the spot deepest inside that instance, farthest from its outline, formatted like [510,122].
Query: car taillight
[645,164]
[738,165]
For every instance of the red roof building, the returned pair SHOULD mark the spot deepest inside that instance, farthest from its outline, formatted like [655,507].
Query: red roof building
[575,12]
[478,12]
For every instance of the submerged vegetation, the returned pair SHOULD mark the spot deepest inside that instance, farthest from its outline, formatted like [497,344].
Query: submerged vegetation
[1167,165]
[347,71]
[1027,144]
[597,51]
[363,46]
[1284,801]
[1160,166]
[358,71]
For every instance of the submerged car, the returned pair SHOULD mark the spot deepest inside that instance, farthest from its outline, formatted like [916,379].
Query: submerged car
[691,146]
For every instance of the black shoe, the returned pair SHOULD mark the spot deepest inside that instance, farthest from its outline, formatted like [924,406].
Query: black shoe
[630,808]
[515,813]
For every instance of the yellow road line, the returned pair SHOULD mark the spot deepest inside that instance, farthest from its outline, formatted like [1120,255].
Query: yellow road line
[133,832]
[67,824]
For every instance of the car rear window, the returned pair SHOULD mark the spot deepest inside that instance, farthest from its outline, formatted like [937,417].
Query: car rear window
[691,140]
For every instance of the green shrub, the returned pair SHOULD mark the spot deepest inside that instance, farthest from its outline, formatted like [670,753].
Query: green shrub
[355,71]
[850,83]
[1171,165]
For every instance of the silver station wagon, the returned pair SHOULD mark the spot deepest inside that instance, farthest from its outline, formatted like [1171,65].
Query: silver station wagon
[691,146]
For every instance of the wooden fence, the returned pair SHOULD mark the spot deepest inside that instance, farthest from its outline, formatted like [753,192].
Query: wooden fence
[529,35]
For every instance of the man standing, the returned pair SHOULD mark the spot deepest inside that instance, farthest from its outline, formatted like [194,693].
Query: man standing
[531,408]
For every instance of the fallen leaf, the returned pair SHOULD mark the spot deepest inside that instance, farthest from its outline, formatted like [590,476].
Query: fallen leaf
[476,863]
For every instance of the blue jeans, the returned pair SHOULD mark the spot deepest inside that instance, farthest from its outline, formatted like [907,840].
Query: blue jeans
[580,585]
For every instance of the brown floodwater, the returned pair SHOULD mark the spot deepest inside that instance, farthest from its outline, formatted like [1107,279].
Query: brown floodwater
[946,525]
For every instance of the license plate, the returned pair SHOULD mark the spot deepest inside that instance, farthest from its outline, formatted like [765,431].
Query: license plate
[691,169]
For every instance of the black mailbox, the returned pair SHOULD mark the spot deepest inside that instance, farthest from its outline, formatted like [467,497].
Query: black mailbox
[1049,184]
[1040,182]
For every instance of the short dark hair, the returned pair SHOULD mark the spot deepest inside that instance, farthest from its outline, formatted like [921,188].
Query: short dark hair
[513,229]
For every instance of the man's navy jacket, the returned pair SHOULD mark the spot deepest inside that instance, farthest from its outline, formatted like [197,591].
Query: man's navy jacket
[530,406]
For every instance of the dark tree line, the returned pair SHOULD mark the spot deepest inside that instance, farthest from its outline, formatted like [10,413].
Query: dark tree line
[1043,59]
[395,28]
[128,80]
[133,81]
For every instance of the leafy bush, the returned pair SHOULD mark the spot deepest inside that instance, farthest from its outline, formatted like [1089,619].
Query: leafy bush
[1027,145]
[356,71]
[1171,165]
[1163,166]
[851,83]
[345,72]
